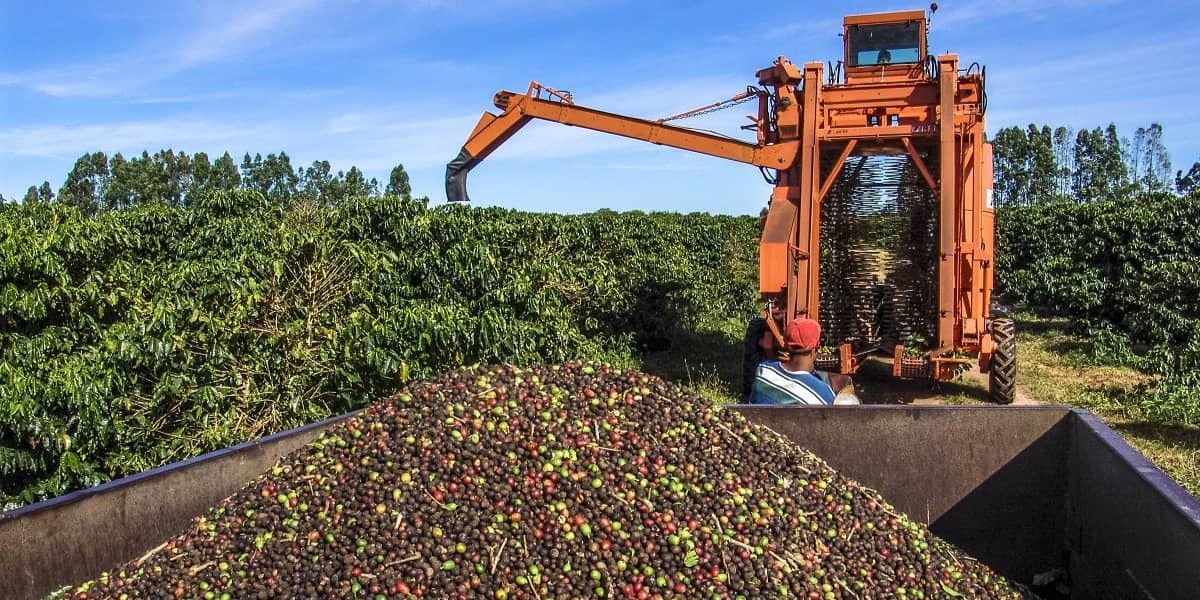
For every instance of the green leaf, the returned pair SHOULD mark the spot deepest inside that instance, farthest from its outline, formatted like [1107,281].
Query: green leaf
[951,591]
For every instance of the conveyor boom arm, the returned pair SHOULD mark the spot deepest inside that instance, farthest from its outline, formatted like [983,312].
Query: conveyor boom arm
[518,109]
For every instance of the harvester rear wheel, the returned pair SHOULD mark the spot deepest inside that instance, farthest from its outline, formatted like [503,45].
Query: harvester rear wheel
[1002,374]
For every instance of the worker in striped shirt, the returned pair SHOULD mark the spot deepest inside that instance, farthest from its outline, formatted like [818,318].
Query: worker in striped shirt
[796,381]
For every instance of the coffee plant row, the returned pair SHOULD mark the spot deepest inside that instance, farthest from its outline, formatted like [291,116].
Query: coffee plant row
[141,337]
[1125,270]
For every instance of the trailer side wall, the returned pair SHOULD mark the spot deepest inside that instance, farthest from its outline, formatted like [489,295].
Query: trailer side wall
[994,482]
[1133,532]
[77,536]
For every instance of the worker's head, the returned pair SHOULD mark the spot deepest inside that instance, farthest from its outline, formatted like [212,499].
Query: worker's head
[802,336]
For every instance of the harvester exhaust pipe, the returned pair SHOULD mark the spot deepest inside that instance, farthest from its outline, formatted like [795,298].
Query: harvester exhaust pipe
[456,176]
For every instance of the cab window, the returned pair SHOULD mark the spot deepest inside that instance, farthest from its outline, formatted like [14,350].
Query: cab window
[884,44]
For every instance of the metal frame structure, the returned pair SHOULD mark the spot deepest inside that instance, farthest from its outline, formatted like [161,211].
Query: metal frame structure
[916,109]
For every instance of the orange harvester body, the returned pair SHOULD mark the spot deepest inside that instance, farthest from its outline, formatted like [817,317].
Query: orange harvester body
[886,97]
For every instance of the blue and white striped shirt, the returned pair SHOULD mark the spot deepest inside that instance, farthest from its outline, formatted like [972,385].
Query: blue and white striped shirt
[774,384]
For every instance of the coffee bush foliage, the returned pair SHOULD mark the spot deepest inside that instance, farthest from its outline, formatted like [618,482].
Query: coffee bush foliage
[1127,272]
[144,336]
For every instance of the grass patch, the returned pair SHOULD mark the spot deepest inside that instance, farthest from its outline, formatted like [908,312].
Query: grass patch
[1056,366]
[709,362]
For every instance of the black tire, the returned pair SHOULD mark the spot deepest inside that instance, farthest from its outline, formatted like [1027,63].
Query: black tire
[1002,372]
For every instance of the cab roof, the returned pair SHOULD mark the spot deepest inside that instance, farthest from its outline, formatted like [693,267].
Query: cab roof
[888,17]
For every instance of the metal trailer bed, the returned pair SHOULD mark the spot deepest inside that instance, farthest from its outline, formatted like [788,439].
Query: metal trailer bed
[1024,489]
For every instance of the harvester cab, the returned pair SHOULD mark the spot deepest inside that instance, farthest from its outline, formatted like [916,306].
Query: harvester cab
[880,222]
[881,46]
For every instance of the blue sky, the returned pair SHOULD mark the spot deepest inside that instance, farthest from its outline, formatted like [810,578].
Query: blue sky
[375,83]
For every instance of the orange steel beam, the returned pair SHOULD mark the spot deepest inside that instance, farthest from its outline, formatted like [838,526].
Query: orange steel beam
[966,230]
[874,133]
[987,227]
[804,287]
[948,172]
[976,269]
[895,94]
[967,214]
[519,109]
[837,168]
[778,255]
[917,160]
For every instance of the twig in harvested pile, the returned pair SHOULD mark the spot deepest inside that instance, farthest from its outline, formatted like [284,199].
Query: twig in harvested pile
[196,569]
[406,559]
[151,552]
[496,557]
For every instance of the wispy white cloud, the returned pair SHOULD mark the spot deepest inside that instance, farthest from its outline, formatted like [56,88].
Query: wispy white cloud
[233,32]
[377,140]
[221,35]
[960,13]
[350,122]
[804,29]
[1081,66]
[97,79]
[652,163]
[188,98]
[1067,90]
[68,141]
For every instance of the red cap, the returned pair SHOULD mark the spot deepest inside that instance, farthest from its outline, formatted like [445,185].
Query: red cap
[802,335]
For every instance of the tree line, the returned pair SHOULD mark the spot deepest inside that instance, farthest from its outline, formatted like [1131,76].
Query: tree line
[1041,165]
[1033,165]
[98,182]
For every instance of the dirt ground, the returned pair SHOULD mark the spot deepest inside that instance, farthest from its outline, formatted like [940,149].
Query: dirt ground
[874,384]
